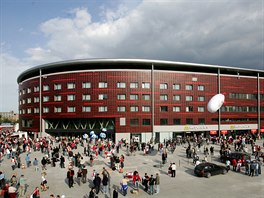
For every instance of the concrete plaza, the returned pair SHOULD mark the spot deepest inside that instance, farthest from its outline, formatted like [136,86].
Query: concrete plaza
[184,185]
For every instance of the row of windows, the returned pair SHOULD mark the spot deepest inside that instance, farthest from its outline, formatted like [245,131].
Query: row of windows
[165,121]
[87,97]
[245,96]
[104,109]
[87,85]
[143,109]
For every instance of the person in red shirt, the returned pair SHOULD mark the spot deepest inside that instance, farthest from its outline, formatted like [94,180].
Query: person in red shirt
[136,179]
[234,164]
[36,193]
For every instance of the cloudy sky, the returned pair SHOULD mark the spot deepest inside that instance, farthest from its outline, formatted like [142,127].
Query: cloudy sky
[218,32]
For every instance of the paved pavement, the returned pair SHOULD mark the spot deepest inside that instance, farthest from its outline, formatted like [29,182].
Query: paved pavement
[184,185]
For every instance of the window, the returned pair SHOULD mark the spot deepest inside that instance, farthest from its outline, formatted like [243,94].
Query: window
[188,87]
[121,109]
[146,96]
[36,110]
[200,87]
[134,122]
[23,111]
[163,97]
[189,98]
[86,97]
[163,121]
[28,90]
[20,92]
[163,86]
[201,109]
[121,96]
[189,121]
[134,108]
[133,96]
[29,110]
[102,85]
[102,109]
[133,85]
[201,121]
[57,109]
[102,96]
[121,85]
[45,109]
[36,99]
[20,102]
[86,85]
[145,122]
[189,109]
[201,98]
[45,98]
[176,86]
[146,108]
[163,109]
[177,121]
[29,100]
[71,109]
[57,86]
[71,97]
[36,89]
[23,91]
[57,98]
[176,109]
[176,97]
[86,109]
[146,85]
[71,85]
[23,101]
[45,87]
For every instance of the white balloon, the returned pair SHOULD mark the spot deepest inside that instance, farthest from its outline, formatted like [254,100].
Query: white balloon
[215,103]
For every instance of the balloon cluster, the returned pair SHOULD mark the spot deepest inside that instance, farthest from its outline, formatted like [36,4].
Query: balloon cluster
[102,135]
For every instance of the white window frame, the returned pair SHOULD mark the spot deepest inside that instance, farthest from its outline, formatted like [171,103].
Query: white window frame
[163,86]
[102,85]
[145,108]
[86,97]
[163,97]
[86,85]
[102,109]
[57,86]
[71,97]
[176,109]
[133,108]
[134,85]
[145,85]
[57,98]
[71,109]
[121,85]
[102,97]
[133,97]
[86,109]
[71,85]
[45,87]
[121,96]
[121,109]
[57,109]
[189,98]
[176,97]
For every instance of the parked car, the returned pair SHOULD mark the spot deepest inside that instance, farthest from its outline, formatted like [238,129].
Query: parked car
[208,169]
[236,155]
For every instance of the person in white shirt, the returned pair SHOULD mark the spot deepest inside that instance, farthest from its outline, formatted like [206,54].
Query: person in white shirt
[173,170]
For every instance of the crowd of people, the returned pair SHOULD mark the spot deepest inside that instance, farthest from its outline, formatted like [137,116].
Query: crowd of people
[65,151]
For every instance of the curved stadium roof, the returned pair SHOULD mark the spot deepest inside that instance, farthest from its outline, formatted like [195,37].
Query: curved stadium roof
[138,64]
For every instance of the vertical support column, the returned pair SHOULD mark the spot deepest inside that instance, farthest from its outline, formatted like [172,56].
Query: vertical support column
[152,101]
[219,111]
[40,102]
[258,106]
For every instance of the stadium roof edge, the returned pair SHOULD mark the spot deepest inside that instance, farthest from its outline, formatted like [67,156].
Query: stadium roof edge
[147,63]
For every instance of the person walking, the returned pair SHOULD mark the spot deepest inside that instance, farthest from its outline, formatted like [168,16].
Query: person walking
[35,163]
[22,186]
[62,161]
[70,175]
[151,185]
[157,183]
[97,183]
[145,180]
[105,183]
[27,159]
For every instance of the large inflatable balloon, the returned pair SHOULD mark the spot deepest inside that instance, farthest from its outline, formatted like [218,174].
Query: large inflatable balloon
[215,103]
[85,136]
[92,133]
[104,129]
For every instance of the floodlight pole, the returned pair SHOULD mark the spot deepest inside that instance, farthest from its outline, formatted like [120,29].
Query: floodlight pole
[153,100]
[40,103]
[219,111]
[258,107]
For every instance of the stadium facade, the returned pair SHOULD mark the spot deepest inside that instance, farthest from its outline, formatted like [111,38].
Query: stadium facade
[139,98]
